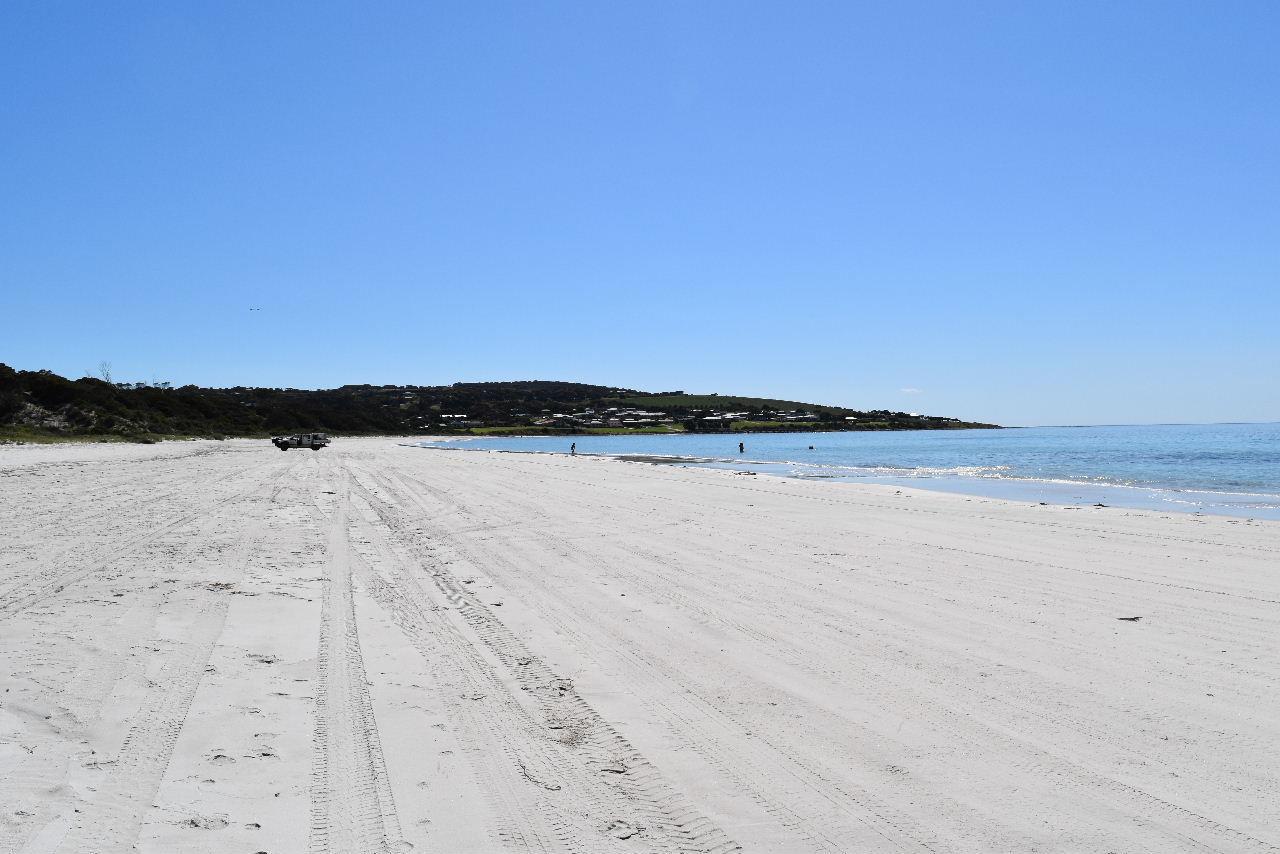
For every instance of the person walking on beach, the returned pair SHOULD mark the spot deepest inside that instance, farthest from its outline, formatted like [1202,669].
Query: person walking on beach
[573,449]
[741,448]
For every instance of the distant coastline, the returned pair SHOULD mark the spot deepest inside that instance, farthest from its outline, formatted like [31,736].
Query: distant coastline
[42,406]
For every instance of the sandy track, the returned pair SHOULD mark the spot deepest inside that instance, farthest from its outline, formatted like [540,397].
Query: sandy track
[219,647]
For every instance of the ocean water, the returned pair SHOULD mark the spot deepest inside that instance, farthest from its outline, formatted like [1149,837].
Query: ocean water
[1231,469]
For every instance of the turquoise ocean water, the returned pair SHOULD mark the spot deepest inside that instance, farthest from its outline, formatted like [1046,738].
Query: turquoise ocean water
[1231,469]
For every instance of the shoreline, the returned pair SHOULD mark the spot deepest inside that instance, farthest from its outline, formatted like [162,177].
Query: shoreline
[1072,493]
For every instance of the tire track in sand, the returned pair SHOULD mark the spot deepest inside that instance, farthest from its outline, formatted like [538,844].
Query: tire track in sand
[563,778]
[352,808]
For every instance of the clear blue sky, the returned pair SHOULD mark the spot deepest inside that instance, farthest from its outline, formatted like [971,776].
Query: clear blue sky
[1025,212]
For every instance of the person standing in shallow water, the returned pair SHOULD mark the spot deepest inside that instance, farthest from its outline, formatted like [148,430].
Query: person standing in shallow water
[573,449]
[741,447]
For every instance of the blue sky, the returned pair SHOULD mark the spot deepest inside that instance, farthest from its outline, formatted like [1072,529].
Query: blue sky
[1022,212]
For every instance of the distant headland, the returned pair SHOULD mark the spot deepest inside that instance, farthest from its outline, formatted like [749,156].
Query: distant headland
[42,406]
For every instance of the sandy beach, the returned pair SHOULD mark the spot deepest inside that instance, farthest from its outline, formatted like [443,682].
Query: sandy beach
[219,647]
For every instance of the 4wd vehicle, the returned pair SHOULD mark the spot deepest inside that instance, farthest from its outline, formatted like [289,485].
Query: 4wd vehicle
[314,441]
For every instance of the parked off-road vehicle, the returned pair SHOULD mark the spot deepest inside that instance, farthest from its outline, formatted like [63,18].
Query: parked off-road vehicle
[314,441]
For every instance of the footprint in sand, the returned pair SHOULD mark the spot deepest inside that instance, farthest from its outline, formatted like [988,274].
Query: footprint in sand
[205,822]
[619,829]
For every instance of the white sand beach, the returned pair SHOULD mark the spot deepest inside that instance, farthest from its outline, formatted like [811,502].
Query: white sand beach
[219,647]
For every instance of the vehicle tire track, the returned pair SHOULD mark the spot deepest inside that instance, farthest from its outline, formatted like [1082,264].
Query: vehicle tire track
[560,753]
[352,808]
[785,791]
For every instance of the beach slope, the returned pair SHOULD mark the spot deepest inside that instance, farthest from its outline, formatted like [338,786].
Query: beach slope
[215,646]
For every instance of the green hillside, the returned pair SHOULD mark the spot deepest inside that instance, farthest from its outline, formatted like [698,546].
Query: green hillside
[40,405]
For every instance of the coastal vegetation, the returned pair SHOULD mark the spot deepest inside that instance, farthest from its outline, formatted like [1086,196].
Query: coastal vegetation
[43,406]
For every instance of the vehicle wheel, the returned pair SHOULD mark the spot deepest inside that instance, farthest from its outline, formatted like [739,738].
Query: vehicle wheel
[315,447]
[285,448]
